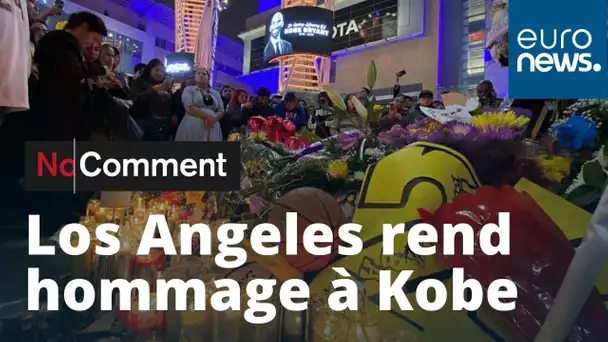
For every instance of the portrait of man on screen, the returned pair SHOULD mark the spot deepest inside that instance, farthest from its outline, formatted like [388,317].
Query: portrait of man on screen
[276,45]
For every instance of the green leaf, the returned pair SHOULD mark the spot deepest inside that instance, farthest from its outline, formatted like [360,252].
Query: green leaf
[337,113]
[371,114]
[593,174]
[372,74]
[584,195]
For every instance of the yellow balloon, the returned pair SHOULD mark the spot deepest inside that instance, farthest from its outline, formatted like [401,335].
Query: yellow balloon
[422,175]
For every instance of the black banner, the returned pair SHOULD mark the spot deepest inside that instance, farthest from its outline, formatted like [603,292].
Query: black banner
[132,166]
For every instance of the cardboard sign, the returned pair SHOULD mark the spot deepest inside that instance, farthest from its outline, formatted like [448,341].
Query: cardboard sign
[457,108]
[497,31]
[453,98]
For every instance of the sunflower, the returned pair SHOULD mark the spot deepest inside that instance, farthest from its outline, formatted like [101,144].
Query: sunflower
[338,169]
[554,168]
[499,120]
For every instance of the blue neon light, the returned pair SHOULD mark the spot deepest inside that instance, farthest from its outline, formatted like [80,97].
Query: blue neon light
[140,6]
[265,5]
[267,78]
[487,55]
[440,43]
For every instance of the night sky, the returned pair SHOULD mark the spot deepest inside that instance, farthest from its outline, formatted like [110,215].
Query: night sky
[232,20]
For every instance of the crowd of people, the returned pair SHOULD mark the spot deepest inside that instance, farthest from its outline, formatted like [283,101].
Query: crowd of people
[66,84]
[75,89]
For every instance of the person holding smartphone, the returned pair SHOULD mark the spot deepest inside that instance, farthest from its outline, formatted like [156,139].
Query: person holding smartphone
[397,113]
[397,87]
[152,103]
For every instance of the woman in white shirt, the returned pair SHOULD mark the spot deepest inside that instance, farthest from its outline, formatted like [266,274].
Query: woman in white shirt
[204,109]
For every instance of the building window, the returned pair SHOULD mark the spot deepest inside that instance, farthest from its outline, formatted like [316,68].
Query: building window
[473,49]
[164,44]
[227,70]
[475,9]
[365,22]
[129,48]
[332,71]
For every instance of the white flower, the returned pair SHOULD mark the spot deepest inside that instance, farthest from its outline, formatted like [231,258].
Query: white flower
[359,175]
[578,181]
[373,152]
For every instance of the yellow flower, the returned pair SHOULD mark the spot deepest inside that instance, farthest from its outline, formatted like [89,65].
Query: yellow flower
[254,170]
[554,168]
[195,197]
[234,137]
[338,169]
[430,127]
[499,120]
[257,135]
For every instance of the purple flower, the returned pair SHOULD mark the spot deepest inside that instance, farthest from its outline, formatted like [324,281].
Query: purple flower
[426,124]
[386,138]
[347,141]
[422,135]
[498,133]
[460,128]
[398,131]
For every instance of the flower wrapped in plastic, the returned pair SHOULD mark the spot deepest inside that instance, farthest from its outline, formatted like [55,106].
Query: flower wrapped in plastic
[539,257]
[278,129]
[295,143]
[256,123]
[575,133]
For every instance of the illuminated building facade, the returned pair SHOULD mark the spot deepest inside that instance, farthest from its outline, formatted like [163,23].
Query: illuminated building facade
[141,29]
[228,64]
[304,72]
[188,18]
[196,25]
[438,42]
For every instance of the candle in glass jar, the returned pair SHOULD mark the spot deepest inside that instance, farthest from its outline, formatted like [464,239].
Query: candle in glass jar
[92,207]
[82,265]
[148,266]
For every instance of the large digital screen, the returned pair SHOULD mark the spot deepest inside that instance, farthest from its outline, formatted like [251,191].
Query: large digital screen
[362,23]
[179,63]
[301,29]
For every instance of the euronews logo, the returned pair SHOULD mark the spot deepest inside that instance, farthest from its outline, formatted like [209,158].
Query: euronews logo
[563,51]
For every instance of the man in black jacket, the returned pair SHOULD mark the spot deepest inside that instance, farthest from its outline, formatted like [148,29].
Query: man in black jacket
[61,102]
[261,107]
[62,108]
